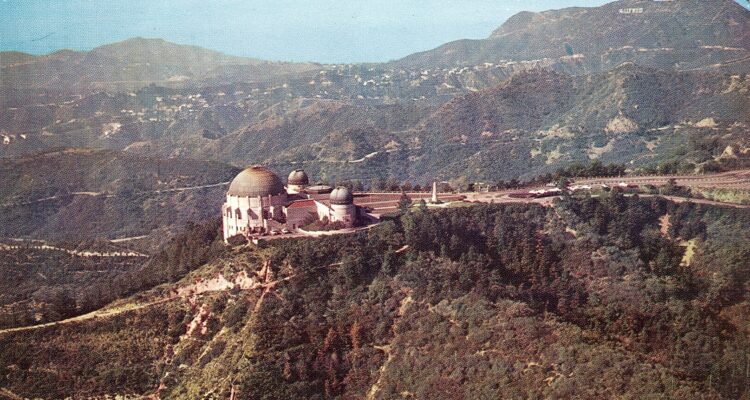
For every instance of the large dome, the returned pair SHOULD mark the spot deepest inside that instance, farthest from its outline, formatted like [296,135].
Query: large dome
[256,181]
[341,196]
[298,177]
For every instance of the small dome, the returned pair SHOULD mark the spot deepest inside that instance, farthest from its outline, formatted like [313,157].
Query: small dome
[256,181]
[298,177]
[341,196]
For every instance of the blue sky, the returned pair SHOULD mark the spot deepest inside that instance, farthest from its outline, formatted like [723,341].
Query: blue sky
[288,30]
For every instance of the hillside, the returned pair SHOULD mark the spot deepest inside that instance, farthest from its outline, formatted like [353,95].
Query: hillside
[593,298]
[43,283]
[542,120]
[519,125]
[535,122]
[76,194]
[631,82]
[684,34]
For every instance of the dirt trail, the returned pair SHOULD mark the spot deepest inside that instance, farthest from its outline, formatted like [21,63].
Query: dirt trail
[92,315]
[664,225]
[241,281]
[386,348]
[76,253]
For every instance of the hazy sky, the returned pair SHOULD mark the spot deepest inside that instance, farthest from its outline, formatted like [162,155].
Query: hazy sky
[288,30]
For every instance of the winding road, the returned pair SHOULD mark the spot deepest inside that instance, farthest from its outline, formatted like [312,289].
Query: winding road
[108,195]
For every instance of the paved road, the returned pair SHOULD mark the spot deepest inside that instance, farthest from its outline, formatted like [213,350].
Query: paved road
[739,179]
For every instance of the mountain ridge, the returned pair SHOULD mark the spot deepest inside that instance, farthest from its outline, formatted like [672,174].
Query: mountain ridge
[663,34]
[130,64]
[606,30]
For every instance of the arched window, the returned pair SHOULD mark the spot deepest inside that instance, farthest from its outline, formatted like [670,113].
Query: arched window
[238,213]
[229,212]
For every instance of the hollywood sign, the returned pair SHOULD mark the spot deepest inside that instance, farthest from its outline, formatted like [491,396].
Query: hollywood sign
[631,11]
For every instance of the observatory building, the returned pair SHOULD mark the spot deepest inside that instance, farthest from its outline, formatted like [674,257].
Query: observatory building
[258,202]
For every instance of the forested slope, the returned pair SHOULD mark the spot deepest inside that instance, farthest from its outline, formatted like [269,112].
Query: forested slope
[592,298]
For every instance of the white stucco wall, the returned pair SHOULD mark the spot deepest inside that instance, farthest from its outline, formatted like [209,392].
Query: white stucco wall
[250,212]
[343,213]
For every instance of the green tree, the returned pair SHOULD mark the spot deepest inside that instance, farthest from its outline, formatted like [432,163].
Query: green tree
[404,202]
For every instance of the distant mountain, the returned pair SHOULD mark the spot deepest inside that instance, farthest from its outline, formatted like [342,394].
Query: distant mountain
[145,51]
[132,64]
[637,82]
[681,34]
[14,57]
[628,99]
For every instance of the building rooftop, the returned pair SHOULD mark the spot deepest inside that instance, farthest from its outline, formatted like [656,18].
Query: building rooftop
[256,181]
[302,204]
[319,189]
